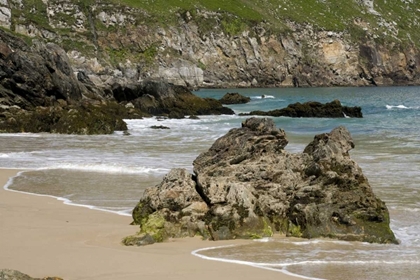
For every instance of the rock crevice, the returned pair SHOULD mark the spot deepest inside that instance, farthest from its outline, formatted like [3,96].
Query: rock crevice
[247,186]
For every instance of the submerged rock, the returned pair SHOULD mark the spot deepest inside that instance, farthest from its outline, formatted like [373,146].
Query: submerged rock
[313,109]
[234,98]
[247,186]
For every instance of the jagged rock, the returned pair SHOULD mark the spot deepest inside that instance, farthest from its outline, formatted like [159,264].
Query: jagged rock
[234,98]
[312,109]
[9,274]
[247,186]
[35,76]
[81,119]
[162,98]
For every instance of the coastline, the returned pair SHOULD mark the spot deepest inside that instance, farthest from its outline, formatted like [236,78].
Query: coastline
[41,236]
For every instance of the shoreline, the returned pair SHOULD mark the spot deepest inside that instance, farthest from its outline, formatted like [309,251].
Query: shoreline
[42,236]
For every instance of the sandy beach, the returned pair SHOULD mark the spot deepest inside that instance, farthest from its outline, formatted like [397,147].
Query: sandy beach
[41,236]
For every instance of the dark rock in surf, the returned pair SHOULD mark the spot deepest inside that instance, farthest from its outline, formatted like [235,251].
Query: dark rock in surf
[159,127]
[165,99]
[247,186]
[234,98]
[313,109]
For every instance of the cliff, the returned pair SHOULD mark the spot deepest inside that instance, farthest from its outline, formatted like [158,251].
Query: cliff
[229,43]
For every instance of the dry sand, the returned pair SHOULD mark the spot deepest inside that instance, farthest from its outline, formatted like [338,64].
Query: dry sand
[41,236]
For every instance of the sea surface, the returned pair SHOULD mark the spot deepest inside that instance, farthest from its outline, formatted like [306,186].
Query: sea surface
[110,172]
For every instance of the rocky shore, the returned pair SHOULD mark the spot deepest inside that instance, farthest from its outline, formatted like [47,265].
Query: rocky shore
[39,92]
[247,186]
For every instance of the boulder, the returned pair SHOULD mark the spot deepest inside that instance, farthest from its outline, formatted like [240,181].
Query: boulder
[313,109]
[162,98]
[234,98]
[247,186]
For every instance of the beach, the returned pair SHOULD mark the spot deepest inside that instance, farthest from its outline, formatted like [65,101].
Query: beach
[44,236]
[41,236]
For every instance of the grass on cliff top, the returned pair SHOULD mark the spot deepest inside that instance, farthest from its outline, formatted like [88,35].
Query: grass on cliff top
[334,15]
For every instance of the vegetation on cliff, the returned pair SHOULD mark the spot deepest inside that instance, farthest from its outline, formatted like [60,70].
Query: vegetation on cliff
[230,43]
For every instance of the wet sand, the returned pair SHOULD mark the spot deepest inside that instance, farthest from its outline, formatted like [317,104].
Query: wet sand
[41,236]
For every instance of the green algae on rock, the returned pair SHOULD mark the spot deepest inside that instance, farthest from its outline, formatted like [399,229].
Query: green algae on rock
[321,192]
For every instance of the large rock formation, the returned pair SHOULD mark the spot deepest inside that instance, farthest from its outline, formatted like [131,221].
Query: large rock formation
[313,109]
[247,186]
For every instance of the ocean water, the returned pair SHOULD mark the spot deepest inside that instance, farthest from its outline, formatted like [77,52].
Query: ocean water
[110,172]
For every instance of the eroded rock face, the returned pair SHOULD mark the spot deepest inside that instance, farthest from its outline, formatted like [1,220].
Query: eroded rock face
[247,186]
[36,75]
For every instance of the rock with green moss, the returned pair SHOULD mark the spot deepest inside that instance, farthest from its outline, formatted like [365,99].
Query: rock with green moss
[85,118]
[247,186]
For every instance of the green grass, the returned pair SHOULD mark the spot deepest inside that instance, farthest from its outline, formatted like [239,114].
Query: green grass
[334,15]
[235,16]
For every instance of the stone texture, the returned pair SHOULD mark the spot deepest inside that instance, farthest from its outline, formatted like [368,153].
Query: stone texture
[162,98]
[313,109]
[234,98]
[247,186]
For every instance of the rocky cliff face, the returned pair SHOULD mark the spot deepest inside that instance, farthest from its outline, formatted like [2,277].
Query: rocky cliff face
[39,92]
[203,48]
[247,186]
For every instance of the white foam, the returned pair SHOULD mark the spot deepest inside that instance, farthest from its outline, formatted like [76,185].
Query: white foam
[396,107]
[268,266]
[263,240]
[21,134]
[18,154]
[107,168]
[64,200]
[265,96]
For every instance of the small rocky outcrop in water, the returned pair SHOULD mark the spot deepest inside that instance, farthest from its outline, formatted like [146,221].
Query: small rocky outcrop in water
[247,186]
[234,98]
[162,98]
[313,109]
[9,274]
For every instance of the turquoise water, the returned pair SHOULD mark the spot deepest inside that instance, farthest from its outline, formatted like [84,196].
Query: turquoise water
[110,172]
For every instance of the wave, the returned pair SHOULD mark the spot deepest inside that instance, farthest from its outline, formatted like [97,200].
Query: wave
[282,267]
[66,201]
[390,107]
[107,168]
[264,96]
[18,154]
[268,266]
[21,134]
